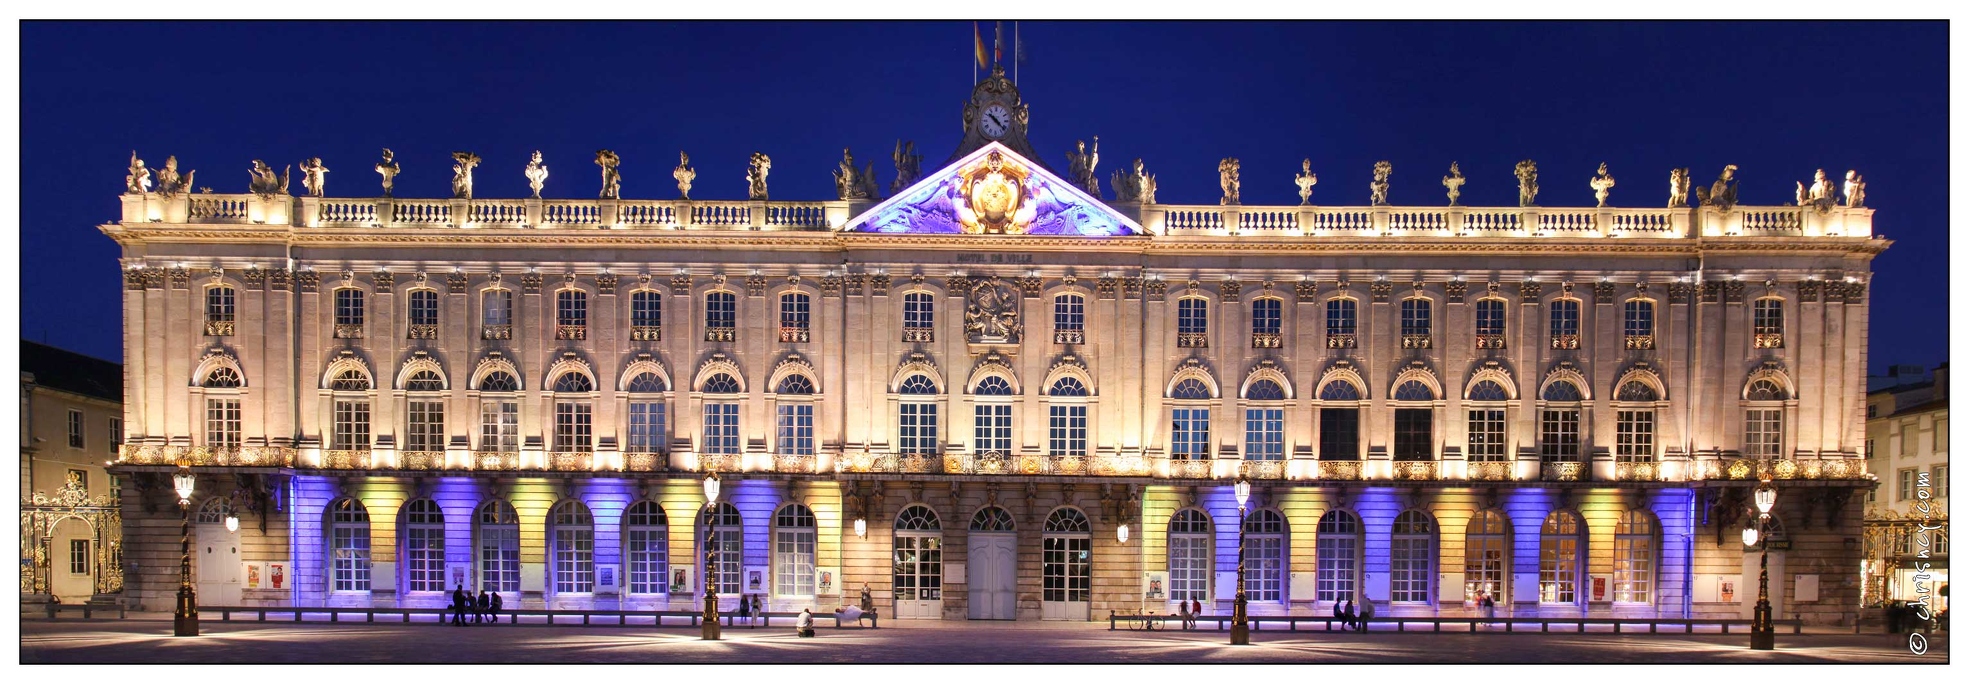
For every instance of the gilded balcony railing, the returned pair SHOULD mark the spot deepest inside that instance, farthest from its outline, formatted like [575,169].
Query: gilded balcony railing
[1565,341]
[1074,336]
[793,463]
[1639,342]
[979,463]
[646,333]
[1265,340]
[496,460]
[791,334]
[720,333]
[1490,340]
[1192,340]
[423,331]
[570,461]
[917,335]
[1490,470]
[1340,341]
[1415,341]
[1769,340]
[717,463]
[218,328]
[420,460]
[348,331]
[252,456]
[1782,469]
[918,463]
[1066,464]
[1190,468]
[1119,465]
[646,462]
[345,459]
[1565,471]
[1340,470]
[1636,472]
[1261,470]
[1415,470]
[570,332]
[496,332]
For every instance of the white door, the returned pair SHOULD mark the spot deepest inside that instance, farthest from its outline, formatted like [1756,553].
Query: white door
[919,575]
[71,561]
[992,576]
[217,553]
[1066,577]
[1747,587]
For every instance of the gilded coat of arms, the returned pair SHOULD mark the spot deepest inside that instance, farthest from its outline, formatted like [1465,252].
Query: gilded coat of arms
[991,313]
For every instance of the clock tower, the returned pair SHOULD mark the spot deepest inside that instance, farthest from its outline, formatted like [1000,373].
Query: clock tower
[995,114]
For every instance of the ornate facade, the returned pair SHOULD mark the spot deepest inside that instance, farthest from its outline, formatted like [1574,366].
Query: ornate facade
[998,395]
[1907,515]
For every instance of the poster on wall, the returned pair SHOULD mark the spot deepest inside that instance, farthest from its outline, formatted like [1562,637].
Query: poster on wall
[1726,589]
[604,577]
[277,575]
[457,573]
[1599,588]
[254,572]
[680,580]
[755,579]
[825,583]
[1155,585]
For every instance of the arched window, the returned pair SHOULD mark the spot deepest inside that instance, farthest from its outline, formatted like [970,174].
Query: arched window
[423,546]
[1190,555]
[571,315]
[348,313]
[348,545]
[1763,419]
[1066,558]
[721,383]
[793,551]
[1415,390]
[1190,388]
[574,548]
[499,381]
[574,417]
[1067,386]
[219,310]
[1486,427]
[224,377]
[916,417]
[499,413]
[1264,555]
[350,380]
[1264,424]
[1766,390]
[1634,426]
[991,421]
[1558,423]
[1339,423]
[1486,557]
[1340,390]
[349,421]
[646,547]
[498,552]
[918,316]
[1637,391]
[1767,323]
[993,519]
[1265,317]
[1634,558]
[1562,390]
[793,416]
[222,409]
[1265,390]
[993,385]
[424,381]
[1561,554]
[1638,324]
[646,316]
[918,555]
[721,417]
[214,511]
[1069,319]
[1489,390]
[793,317]
[1066,423]
[1411,558]
[647,382]
[720,316]
[727,545]
[1565,323]
[1338,553]
[574,382]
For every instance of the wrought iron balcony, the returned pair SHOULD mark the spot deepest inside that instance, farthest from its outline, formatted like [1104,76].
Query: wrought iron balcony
[496,460]
[571,461]
[1066,464]
[1265,340]
[1192,340]
[496,332]
[1261,470]
[423,331]
[1769,340]
[1415,470]
[720,333]
[646,333]
[1416,341]
[646,462]
[1565,471]
[1073,336]
[1637,472]
[218,328]
[348,331]
[1490,340]
[1340,470]
[1490,470]
[1190,468]
[793,463]
[570,332]
[206,455]
[345,459]
[717,463]
[918,335]
[420,460]
[1639,342]
[1341,341]
[792,334]
[1565,341]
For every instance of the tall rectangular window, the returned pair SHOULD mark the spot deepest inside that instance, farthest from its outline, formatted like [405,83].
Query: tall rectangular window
[1558,435]
[1565,323]
[1941,435]
[992,428]
[499,425]
[1264,434]
[1265,315]
[351,425]
[1415,434]
[1340,317]
[426,426]
[917,429]
[115,435]
[1193,315]
[1066,430]
[1638,323]
[574,426]
[1767,322]
[423,307]
[571,315]
[648,551]
[720,310]
[1487,435]
[75,428]
[918,310]
[498,307]
[721,429]
[1189,566]
[796,429]
[1069,312]
[1906,490]
[793,561]
[1189,433]
[499,557]
[219,311]
[1416,319]
[1763,433]
[78,556]
[793,311]
[1340,434]
[1490,317]
[348,307]
[646,308]
[646,427]
[1634,436]
[1939,478]
[574,560]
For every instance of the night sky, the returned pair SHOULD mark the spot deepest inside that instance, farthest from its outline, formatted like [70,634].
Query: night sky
[1777,99]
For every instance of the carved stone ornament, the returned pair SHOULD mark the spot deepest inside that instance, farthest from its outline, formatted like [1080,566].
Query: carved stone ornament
[314,177]
[1230,289]
[680,283]
[991,313]
[262,182]
[1678,188]
[854,282]
[462,164]
[1031,285]
[1527,173]
[1080,167]
[1156,287]
[1456,290]
[1808,290]
[138,180]
[530,282]
[611,164]
[1131,287]
[388,169]
[456,282]
[1723,193]
[851,183]
[169,183]
[1678,293]
[1529,290]
[1228,181]
[1733,292]
[384,281]
[1854,189]
[1133,186]
[1454,181]
[684,174]
[1378,189]
[1306,180]
[1603,292]
[536,174]
[755,176]
[606,282]
[308,281]
[277,278]
[1305,289]
[1601,184]
[878,284]
[1712,292]
[909,166]
[755,286]
[1380,289]
[830,285]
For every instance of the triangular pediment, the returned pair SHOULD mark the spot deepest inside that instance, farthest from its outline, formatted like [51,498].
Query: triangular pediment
[993,190]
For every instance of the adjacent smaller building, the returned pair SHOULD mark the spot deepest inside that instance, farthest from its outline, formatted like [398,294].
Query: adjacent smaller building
[1907,514]
[71,427]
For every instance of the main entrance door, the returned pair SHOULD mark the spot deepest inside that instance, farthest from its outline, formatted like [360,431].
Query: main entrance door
[217,552]
[1066,567]
[992,566]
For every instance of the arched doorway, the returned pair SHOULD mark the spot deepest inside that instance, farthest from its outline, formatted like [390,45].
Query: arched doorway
[992,568]
[217,554]
[918,563]
[1066,566]
[71,566]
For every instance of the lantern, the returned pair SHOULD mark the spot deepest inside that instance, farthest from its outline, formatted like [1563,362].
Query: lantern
[183,482]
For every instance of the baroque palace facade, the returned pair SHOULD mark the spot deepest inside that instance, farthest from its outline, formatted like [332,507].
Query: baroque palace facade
[994,395]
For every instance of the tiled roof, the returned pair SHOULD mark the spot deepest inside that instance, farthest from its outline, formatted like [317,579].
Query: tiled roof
[71,372]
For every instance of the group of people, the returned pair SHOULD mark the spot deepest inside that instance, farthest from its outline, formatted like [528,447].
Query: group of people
[485,608]
[748,608]
[1188,612]
[1351,620]
[1488,605]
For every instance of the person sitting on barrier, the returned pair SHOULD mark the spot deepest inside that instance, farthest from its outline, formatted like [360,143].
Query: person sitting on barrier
[484,604]
[806,625]
[744,610]
[1183,612]
[497,603]
[1347,615]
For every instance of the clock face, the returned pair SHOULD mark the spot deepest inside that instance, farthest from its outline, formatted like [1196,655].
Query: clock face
[995,121]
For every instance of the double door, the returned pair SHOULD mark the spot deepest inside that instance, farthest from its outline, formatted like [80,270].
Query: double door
[1066,577]
[992,576]
[919,576]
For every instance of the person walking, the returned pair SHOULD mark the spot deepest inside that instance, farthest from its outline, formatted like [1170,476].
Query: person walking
[458,606]
[745,610]
[1490,608]
[484,604]
[1367,612]
[756,610]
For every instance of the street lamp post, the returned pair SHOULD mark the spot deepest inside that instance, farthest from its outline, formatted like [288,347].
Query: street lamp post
[711,631]
[184,619]
[1240,632]
[1763,632]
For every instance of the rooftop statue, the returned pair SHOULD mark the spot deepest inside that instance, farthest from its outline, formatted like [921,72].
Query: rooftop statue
[388,170]
[1855,189]
[1080,167]
[684,175]
[1378,190]
[909,166]
[1601,184]
[1678,188]
[1820,194]
[1306,180]
[1227,178]
[1134,186]
[1527,172]
[314,176]
[138,181]
[461,174]
[264,183]
[755,175]
[611,173]
[536,174]
[168,181]
[1723,193]
[1454,181]
[851,183]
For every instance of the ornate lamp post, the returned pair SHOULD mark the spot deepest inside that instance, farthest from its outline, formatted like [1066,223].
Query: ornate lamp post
[1240,632]
[185,617]
[711,631]
[1763,633]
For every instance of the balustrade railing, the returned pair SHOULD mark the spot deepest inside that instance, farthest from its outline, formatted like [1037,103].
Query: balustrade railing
[721,215]
[1567,223]
[1416,341]
[348,331]
[1415,470]
[1418,221]
[1479,221]
[718,463]
[1074,336]
[252,456]
[1643,222]
[1190,468]
[1193,219]
[1564,471]
[793,463]
[645,214]
[345,459]
[646,462]
[790,334]
[1260,220]
[1638,342]
[922,335]
[1490,340]
[496,332]
[421,212]
[1261,470]
[219,208]
[1768,340]
[571,461]
[570,332]
[570,213]
[1192,340]
[423,331]
[796,215]
[720,333]
[1773,220]
[1341,221]
[1489,470]
[496,460]
[360,212]
[1340,470]
[498,212]
[1565,341]
[1636,472]
[420,460]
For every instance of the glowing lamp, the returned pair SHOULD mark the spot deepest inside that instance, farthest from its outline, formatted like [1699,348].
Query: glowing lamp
[861,527]
[1767,496]
[1121,533]
[710,488]
[183,482]
[1243,489]
[232,523]
[1750,536]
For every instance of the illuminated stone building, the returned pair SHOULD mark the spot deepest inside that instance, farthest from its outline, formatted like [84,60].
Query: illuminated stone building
[999,394]
[1907,515]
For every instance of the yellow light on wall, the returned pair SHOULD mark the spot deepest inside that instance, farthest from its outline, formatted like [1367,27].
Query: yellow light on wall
[1121,533]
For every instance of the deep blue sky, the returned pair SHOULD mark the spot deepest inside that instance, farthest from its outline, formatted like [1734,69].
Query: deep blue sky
[1777,99]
